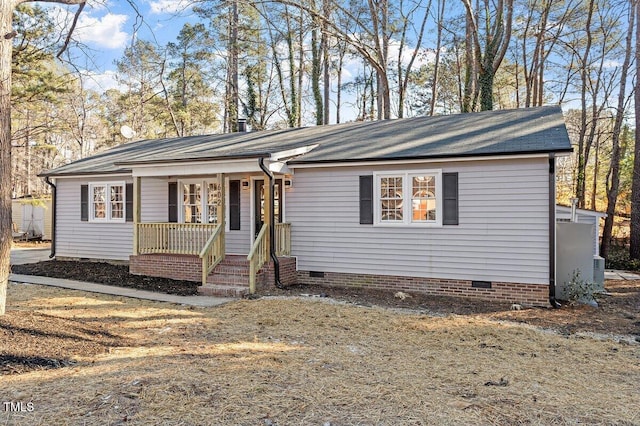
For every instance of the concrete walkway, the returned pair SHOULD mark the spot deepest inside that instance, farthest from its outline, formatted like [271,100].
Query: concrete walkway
[200,301]
[20,256]
[611,274]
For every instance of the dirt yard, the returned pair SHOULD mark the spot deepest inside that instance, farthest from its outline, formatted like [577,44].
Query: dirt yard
[619,312]
[73,358]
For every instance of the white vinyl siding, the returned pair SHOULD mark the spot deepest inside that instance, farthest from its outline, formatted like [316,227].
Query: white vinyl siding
[502,235]
[92,240]
[239,242]
[154,200]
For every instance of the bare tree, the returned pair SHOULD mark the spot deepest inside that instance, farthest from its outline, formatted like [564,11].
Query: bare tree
[613,183]
[490,44]
[634,248]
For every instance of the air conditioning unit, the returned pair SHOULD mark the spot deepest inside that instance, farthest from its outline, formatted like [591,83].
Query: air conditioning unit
[598,272]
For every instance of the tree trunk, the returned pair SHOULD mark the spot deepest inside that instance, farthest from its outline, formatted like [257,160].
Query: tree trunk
[315,77]
[234,101]
[300,67]
[6,46]
[324,43]
[6,9]
[436,61]
[470,67]
[485,81]
[634,249]
[339,82]
[614,185]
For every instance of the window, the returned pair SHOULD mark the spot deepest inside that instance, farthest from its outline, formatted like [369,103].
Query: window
[200,200]
[107,202]
[408,198]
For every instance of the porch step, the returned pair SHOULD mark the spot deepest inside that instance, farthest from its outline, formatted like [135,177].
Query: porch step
[235,259]
[232,271]
[223,290]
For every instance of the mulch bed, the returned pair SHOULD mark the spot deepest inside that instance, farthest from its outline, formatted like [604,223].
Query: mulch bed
[105,273]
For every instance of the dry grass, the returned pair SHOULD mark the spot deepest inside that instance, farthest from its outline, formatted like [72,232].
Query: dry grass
[295,361]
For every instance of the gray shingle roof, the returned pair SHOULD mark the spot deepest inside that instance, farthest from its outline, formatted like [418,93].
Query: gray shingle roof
[507,132]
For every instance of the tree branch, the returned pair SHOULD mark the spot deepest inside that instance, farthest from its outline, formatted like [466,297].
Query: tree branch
[73,27]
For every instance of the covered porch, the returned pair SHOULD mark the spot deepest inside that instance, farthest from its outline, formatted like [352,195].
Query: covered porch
[203,223]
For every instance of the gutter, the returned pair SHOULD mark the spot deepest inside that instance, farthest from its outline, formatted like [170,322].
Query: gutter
[53,216]
[552,232]
[272,231]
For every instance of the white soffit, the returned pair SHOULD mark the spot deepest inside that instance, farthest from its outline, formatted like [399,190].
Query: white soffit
[196,168]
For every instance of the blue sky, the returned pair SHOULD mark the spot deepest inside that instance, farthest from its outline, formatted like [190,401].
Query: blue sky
[107,27]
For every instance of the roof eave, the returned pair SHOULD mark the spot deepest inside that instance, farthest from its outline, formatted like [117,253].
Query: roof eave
[192,160]
[430,157]
[87,173]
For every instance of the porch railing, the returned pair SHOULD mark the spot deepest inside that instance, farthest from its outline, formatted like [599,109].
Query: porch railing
[283,239]
[173,238]
[257,257]
[212,253]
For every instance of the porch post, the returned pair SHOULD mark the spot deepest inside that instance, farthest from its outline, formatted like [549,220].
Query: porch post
[136,213]
[221,211]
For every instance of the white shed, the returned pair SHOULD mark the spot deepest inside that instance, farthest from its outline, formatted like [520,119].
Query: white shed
[563,214]
[33,216]
[589,217]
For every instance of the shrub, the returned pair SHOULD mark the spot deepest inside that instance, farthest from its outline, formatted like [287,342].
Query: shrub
[581,291]
[618,258]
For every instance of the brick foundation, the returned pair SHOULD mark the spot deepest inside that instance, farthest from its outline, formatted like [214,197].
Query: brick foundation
[527,294]
[175,266]
[288,273]
[189,268]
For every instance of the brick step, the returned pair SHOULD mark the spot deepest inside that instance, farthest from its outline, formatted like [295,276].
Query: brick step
[216,278]
[231,269]
[223,290]
[235,260]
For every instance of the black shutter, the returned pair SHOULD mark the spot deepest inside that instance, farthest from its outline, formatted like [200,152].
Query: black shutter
[84,203]
[450,198]
[129,202]
[234,205]
[366,200]
[173,202]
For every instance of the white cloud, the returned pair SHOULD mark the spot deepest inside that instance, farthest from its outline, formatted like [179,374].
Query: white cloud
[101,82]
[105,31]
[169,6]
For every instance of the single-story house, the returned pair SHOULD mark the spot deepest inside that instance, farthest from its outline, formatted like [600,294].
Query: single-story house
[458,205]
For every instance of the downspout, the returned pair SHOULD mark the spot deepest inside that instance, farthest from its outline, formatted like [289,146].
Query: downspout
[272,231]
[53,216]
[552,232]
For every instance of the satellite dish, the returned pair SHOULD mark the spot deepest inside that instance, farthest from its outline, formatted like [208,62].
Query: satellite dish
[127,132]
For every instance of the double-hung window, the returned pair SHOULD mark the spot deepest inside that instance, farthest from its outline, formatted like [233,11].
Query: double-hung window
[200,200]
[408,198]
[107,202]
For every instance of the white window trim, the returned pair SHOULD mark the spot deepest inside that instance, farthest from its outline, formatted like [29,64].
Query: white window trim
[406,176]
[108,219]
[204,183]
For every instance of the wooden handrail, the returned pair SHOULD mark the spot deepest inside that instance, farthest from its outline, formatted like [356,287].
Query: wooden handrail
[257,257]
[212,253]
[173,238]
[283,239]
